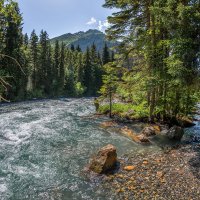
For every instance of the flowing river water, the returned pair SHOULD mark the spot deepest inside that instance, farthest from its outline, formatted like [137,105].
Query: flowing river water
[44,145]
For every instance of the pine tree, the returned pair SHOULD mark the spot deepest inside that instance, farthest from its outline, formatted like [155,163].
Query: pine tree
[43,62]
[72,47]
[110,80]
[78,48]
[96,70]
[79,68]
[99,58]
[112,59]
[26,41]
[88,74]
[49,71]
[105,55]
[62,69]
[34,51]
[56,68]
[69,88]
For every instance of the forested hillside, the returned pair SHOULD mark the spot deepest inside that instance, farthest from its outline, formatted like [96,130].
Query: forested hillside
[30,67]
[85,39]
[157,71]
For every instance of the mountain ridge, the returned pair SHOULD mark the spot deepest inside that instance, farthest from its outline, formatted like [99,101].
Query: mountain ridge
[84,39]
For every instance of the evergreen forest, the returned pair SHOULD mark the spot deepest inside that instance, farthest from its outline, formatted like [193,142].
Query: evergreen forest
[157,68]
[32,67]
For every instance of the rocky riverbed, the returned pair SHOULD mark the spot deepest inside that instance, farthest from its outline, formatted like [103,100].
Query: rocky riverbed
[168,174]
[173,174]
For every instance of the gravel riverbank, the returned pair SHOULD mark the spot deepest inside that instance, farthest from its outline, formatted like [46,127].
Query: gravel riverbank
[174,174]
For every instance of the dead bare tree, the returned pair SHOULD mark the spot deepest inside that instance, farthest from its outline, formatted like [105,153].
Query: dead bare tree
[5,84]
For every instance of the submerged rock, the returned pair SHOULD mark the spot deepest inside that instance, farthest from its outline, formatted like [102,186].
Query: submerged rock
[136,138]
[148,131]
[143,138]
[105,160]
[129,133]
[108,124]
[175,133]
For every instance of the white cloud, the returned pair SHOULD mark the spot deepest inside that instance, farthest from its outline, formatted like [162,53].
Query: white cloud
[103,25]
[100,24]
[92,21]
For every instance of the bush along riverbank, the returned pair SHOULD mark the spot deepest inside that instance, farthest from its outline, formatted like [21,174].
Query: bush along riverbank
[125,112]
[172,127]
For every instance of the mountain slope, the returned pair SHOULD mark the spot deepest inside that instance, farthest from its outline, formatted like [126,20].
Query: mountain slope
[84,39]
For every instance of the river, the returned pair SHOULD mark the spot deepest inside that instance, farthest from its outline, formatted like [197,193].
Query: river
[44,145]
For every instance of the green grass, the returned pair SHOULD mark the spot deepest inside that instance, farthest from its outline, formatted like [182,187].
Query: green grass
[125,110]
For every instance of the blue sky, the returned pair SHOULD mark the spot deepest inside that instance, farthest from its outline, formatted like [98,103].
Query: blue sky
[58,17]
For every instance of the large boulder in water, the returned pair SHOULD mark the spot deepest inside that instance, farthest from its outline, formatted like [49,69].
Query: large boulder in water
[186,122]
[182,121]
[175,133]
[105,160]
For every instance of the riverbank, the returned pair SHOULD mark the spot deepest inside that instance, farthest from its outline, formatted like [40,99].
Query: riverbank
[128,113]
[173,174]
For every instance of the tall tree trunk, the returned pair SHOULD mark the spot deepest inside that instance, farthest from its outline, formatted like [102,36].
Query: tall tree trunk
[110,99]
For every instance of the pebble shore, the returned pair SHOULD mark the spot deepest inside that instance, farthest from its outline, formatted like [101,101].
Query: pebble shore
[169,175]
